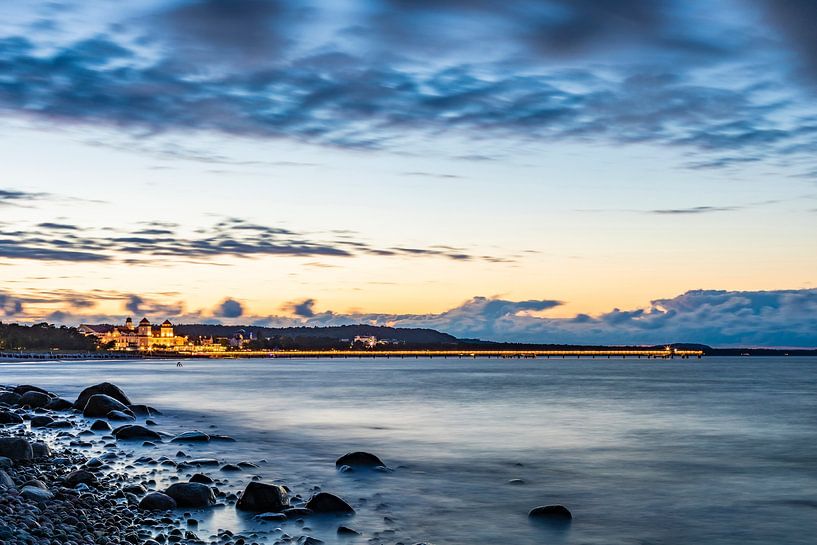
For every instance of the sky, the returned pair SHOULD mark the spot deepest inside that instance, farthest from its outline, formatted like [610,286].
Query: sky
[585,171]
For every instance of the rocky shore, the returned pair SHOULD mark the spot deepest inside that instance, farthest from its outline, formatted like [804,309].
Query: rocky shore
[69,475]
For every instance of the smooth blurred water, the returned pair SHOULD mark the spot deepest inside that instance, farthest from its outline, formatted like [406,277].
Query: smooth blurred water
[715,451]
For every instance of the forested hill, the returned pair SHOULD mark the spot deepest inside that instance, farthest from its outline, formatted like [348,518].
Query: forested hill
[43,337]
[406,335]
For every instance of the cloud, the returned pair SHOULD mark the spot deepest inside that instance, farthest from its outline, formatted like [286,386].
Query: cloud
[12,197]
[582,71]
[229,308]
[231,237]
[714,317]
[794,19]
[783,318]
[304,309]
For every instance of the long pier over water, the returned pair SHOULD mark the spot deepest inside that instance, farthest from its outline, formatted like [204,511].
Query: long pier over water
[667,353]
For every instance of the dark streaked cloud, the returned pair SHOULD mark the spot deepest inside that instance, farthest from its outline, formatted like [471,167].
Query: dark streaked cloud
[590,70]
[304,309]
[12,197]
[232,237]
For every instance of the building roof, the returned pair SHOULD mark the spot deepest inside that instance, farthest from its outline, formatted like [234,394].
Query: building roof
[144,321]
[166,322]
[97,328]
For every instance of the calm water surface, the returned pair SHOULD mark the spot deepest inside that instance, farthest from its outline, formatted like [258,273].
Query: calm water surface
[716,451]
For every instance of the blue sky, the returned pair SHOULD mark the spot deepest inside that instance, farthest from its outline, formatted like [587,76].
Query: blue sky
[415,162]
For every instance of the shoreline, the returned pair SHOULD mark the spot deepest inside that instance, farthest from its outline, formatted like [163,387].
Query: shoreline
[74,477]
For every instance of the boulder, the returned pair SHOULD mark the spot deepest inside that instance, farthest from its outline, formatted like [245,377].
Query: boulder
[157,501]
[34,399]
[203,462]
[79,476]
[59,404]
[100,425]
[15,448]
[60,424]
[105,388]
[119,416]
[5,481]
[9,418]
[297,512]
[134,432]
[25,388]
[33,493]
[40,421]
[359,459]
[9,398]
[143,410]
[191,494]
[346,531]
[40,450]
[191,437]
[100,405]
[5,462]
[551,512]
[201,478]
[263,498]
[324,502]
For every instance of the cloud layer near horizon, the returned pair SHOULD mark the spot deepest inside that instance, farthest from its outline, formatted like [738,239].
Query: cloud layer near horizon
[715,317]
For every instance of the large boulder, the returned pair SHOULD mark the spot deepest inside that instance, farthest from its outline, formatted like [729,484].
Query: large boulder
[360,460]
[324,502]
[9,398]
[134,432]
[191,494]
[100,425]
[144,411]
[15,448]
[263,498]
[34,399]
[105,388]
[157,501]
[9,418]
[36,494]
[59,404]
[100,405]
[554,513]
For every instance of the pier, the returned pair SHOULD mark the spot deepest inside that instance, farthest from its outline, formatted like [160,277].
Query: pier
[665,353]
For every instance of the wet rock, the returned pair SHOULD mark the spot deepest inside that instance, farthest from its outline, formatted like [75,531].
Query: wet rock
[36,494]
[191,494]
[230,468]
[201,478]
[119,416]
[100,425]
[324,502]
[79,476]
[346,531]
[359,460]
[25,388]
[15,448]
[5,463]
[34,399]
[191,437]
[297,512]
[9,418]
[134,432]
[100,405]
[60,424]
[40,450]
[262,497]
[157,501]
[40,421]
[203,462]
[516,482]
[9,398]
[105,388]
[551,512]
[5,481]
[59,404]
[143,411]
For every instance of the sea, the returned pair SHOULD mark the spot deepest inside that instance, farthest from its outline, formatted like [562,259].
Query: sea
[711,451]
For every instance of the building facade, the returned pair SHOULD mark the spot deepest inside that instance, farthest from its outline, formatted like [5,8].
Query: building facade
[145,336]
